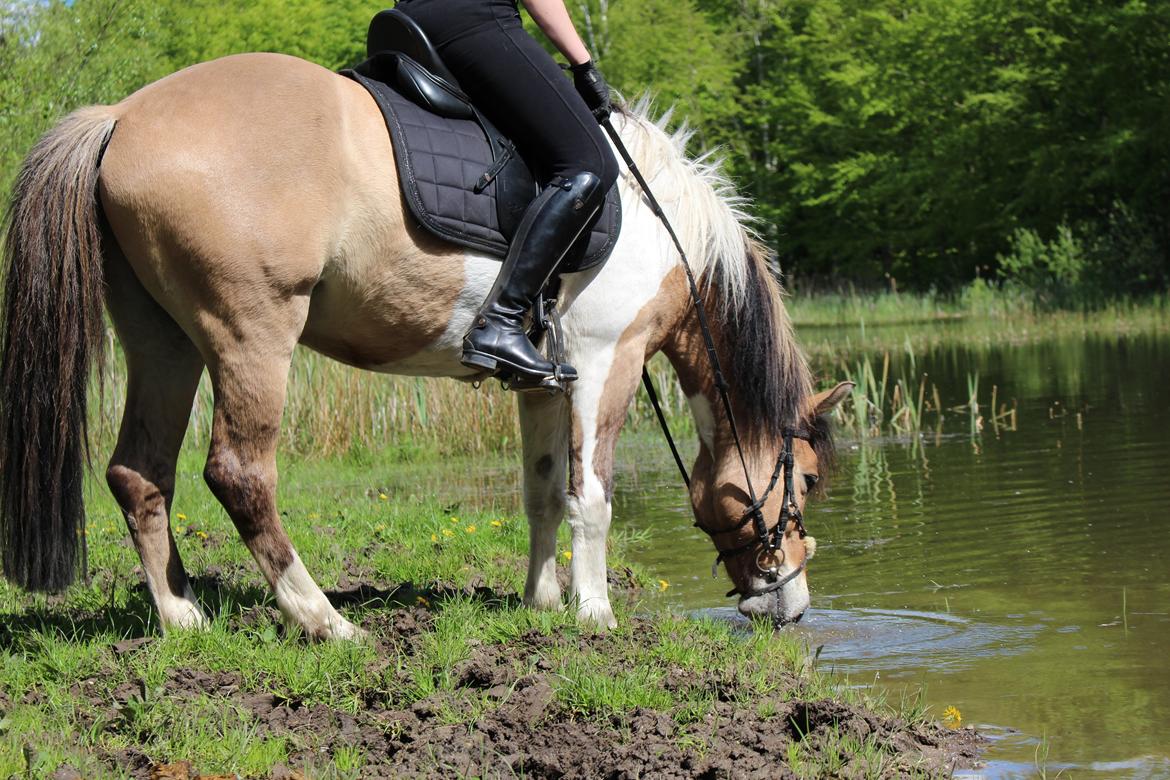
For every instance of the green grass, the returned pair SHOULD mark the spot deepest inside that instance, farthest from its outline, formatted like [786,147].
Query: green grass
[70,694]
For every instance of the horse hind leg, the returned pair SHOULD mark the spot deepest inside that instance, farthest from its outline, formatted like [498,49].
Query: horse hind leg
[249,383]
[163,374]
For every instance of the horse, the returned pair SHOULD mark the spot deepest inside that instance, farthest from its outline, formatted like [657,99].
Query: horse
[237,208]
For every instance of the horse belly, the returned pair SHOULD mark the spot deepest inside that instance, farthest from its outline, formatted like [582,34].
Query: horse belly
[403,314]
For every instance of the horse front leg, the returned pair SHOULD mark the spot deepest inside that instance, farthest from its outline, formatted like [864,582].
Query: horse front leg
[544,427]
[599,403]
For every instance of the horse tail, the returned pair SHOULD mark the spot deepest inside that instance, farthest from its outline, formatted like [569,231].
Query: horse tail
[51,336]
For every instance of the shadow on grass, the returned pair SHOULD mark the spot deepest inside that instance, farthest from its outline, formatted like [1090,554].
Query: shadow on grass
[219,597]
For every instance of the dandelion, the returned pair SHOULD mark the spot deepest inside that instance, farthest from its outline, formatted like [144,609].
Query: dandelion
[663,585]
[434,538]
[448,532]
[201,534]
[181,516]
[455,521]
[567,555]
[180,529]
[422,601]
[497,523]
[952,718]
[470,529]
[383,497]
[379,528]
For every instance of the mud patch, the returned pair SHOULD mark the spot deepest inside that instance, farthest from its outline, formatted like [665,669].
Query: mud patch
[502,712]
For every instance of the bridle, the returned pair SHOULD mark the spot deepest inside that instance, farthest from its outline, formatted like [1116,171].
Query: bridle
[768,540]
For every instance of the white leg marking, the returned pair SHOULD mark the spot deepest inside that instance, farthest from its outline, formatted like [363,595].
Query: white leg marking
[589,512]
[302,603]
[175,611]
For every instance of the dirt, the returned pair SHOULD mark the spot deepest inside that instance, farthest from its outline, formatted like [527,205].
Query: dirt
[524,730]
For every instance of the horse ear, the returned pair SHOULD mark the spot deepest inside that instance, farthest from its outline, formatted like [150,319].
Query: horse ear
[824,402]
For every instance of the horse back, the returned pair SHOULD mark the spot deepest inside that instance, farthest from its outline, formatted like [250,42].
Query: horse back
[259,190]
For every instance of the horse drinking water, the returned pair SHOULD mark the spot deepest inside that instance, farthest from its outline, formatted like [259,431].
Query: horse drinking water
[242,206]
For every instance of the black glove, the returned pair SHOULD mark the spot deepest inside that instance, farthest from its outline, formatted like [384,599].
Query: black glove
[591,86]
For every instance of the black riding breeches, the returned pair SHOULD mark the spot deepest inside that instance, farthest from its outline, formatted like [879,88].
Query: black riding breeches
[517,85]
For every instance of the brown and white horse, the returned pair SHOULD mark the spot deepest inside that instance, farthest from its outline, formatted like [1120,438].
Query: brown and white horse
[249,204]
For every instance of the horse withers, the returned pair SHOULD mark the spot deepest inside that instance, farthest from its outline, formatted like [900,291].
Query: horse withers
[239,207]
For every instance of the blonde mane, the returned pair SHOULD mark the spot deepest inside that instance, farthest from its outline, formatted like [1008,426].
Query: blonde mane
[769,371]
[711,218]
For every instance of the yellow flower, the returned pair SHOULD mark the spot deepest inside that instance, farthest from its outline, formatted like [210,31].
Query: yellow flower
[383,496]
[952,718]
[422,602]
[179,529]
[497,523]
[455,520]
[470,529]
[314,516]
[181,516]
[434,538]
[567,555]
[663,584]
[201,534]
[379,528]
[448,532]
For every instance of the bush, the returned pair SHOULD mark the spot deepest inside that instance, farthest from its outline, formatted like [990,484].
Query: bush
[1087,266]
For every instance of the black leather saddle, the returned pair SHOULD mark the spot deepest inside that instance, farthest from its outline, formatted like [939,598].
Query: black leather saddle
[422,76]
[461,178]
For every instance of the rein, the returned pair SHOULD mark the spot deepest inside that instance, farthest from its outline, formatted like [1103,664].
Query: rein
[769,540]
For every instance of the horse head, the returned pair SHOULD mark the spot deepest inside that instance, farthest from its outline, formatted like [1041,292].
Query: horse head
[757,525]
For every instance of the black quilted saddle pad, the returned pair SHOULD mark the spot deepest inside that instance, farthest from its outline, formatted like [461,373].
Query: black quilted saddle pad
[441,160]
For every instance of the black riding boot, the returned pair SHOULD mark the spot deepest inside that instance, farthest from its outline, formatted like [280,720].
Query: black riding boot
[497,342]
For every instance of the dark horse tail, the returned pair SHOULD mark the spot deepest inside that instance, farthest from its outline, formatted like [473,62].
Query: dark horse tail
[51,336]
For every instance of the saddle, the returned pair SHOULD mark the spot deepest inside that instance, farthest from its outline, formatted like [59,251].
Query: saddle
[461,178]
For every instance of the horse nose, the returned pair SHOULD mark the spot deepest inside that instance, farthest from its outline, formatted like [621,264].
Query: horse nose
[780,620]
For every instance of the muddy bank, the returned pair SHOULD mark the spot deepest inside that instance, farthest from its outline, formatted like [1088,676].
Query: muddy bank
[508,710]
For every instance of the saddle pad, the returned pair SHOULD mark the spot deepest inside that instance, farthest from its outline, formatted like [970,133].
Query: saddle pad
[440,160]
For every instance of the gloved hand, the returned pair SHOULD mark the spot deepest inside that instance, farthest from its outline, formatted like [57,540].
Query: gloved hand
[591,86]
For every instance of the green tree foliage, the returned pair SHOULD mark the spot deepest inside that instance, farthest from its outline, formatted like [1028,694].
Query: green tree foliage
[922,140]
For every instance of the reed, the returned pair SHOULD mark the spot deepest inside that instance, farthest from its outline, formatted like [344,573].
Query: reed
[902,406]
[335,410]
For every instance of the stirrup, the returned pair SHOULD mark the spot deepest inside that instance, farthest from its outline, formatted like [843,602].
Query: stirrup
[553,384]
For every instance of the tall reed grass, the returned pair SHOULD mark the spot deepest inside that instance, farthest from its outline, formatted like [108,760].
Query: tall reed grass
[881,404]
[335,410]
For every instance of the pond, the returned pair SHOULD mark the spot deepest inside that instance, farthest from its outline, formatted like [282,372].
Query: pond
[1020,576]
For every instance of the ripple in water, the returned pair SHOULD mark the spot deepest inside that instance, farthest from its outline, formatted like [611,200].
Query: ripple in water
[900,640]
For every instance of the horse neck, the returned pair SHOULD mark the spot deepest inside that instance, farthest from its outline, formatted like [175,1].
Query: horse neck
[686,349]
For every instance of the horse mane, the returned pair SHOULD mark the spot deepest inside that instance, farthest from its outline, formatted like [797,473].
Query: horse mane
[771,381]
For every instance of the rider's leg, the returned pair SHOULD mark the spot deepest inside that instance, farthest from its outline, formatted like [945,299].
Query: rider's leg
[526,95]
[497,342]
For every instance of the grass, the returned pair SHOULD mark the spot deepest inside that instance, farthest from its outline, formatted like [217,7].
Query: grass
[74,692]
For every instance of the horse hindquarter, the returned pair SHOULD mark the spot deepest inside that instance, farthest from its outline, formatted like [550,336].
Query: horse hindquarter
[233,191]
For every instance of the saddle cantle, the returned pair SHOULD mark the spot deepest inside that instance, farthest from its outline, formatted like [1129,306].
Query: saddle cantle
[461,178]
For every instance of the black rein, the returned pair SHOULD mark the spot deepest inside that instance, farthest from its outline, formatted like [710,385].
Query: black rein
[770,541]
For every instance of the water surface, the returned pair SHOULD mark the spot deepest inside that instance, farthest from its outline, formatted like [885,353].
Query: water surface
[1021,576]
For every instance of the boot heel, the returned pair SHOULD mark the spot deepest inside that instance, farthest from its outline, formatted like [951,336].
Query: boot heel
[479,360]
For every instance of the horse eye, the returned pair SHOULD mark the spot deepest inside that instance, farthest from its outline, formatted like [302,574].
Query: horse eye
[810,481]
